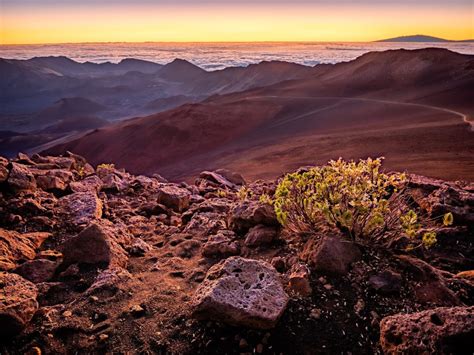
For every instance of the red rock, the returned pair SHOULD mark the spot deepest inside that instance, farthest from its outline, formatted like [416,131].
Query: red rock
[436,331]
[55,179]
[100,242]
[174,197]
[3,169]
[21,178]
[16,248]
[216,179]
[221,245]
[241,292]
[260,235]
[17,303]
[386,282]
[330,255]
[82,207]
[431,287]
[468,275]
[233,177]
[299,280]
[36,271]
[248,214]
[90,183]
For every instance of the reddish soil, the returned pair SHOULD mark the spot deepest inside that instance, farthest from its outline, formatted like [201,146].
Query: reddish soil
[341,110]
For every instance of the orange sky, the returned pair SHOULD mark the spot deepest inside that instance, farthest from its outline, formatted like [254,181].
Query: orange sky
[86,21]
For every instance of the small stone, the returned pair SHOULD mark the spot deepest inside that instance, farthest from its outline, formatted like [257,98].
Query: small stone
[67,314]
[137,310]
[103,337]
[243,343]
[315,313]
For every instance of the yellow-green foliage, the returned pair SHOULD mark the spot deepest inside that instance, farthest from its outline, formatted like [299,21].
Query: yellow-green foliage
[106,166]
[244,193]
[355,197]
[265,199]
[221,193]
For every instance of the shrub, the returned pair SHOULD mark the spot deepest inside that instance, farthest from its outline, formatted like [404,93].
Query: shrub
[355,197]
[106,166]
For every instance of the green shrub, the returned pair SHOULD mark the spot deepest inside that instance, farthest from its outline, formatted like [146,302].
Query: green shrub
[355,197]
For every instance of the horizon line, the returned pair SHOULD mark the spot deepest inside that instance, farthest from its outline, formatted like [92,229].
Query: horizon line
[235,42]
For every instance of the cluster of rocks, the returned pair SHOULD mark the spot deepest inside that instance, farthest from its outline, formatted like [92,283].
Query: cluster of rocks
[71,234]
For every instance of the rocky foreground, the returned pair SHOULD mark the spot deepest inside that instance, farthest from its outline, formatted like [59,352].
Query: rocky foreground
[95,260]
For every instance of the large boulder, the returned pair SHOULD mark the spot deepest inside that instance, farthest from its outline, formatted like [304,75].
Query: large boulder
[436,331]
[330,255]
[21,178]
[16,248]
[241,292]
[248,214]
[82,207]
[100,242]
[17,303]
[174,197]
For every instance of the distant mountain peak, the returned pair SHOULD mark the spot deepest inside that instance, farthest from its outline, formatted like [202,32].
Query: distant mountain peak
[415,38]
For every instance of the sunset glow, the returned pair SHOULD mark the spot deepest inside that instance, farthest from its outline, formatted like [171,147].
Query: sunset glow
[24,21]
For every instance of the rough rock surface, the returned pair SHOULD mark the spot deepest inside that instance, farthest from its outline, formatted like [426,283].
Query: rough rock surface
[16,248]
[251,213]
[174,197]
[221,245]
[36,271]
[331,255]
[241,292]
[21,178]
[82,207]
[437,331]
[132,282]
[100,242]
[260,235]
[17,303]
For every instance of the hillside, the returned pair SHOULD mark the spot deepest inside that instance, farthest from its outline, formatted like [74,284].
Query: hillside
[101,261]
[411,106]
[31,89]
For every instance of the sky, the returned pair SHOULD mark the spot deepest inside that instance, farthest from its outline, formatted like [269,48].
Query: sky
[69,21]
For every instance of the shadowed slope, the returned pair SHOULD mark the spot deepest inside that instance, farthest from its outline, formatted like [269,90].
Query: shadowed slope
[406,105]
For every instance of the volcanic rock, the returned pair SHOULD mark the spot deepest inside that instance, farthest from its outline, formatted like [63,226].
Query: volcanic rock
[90,183]
[82,207]
[36,271]
[231,176]
[54,179]
[299,280]
[260,235]
[17,303]
[386,282]
[436,331]
[241,292]
[3,169]
[16,248]
[174,197]
[100,242]
[330,255]
[21,178]
[251,213]
[221,245]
